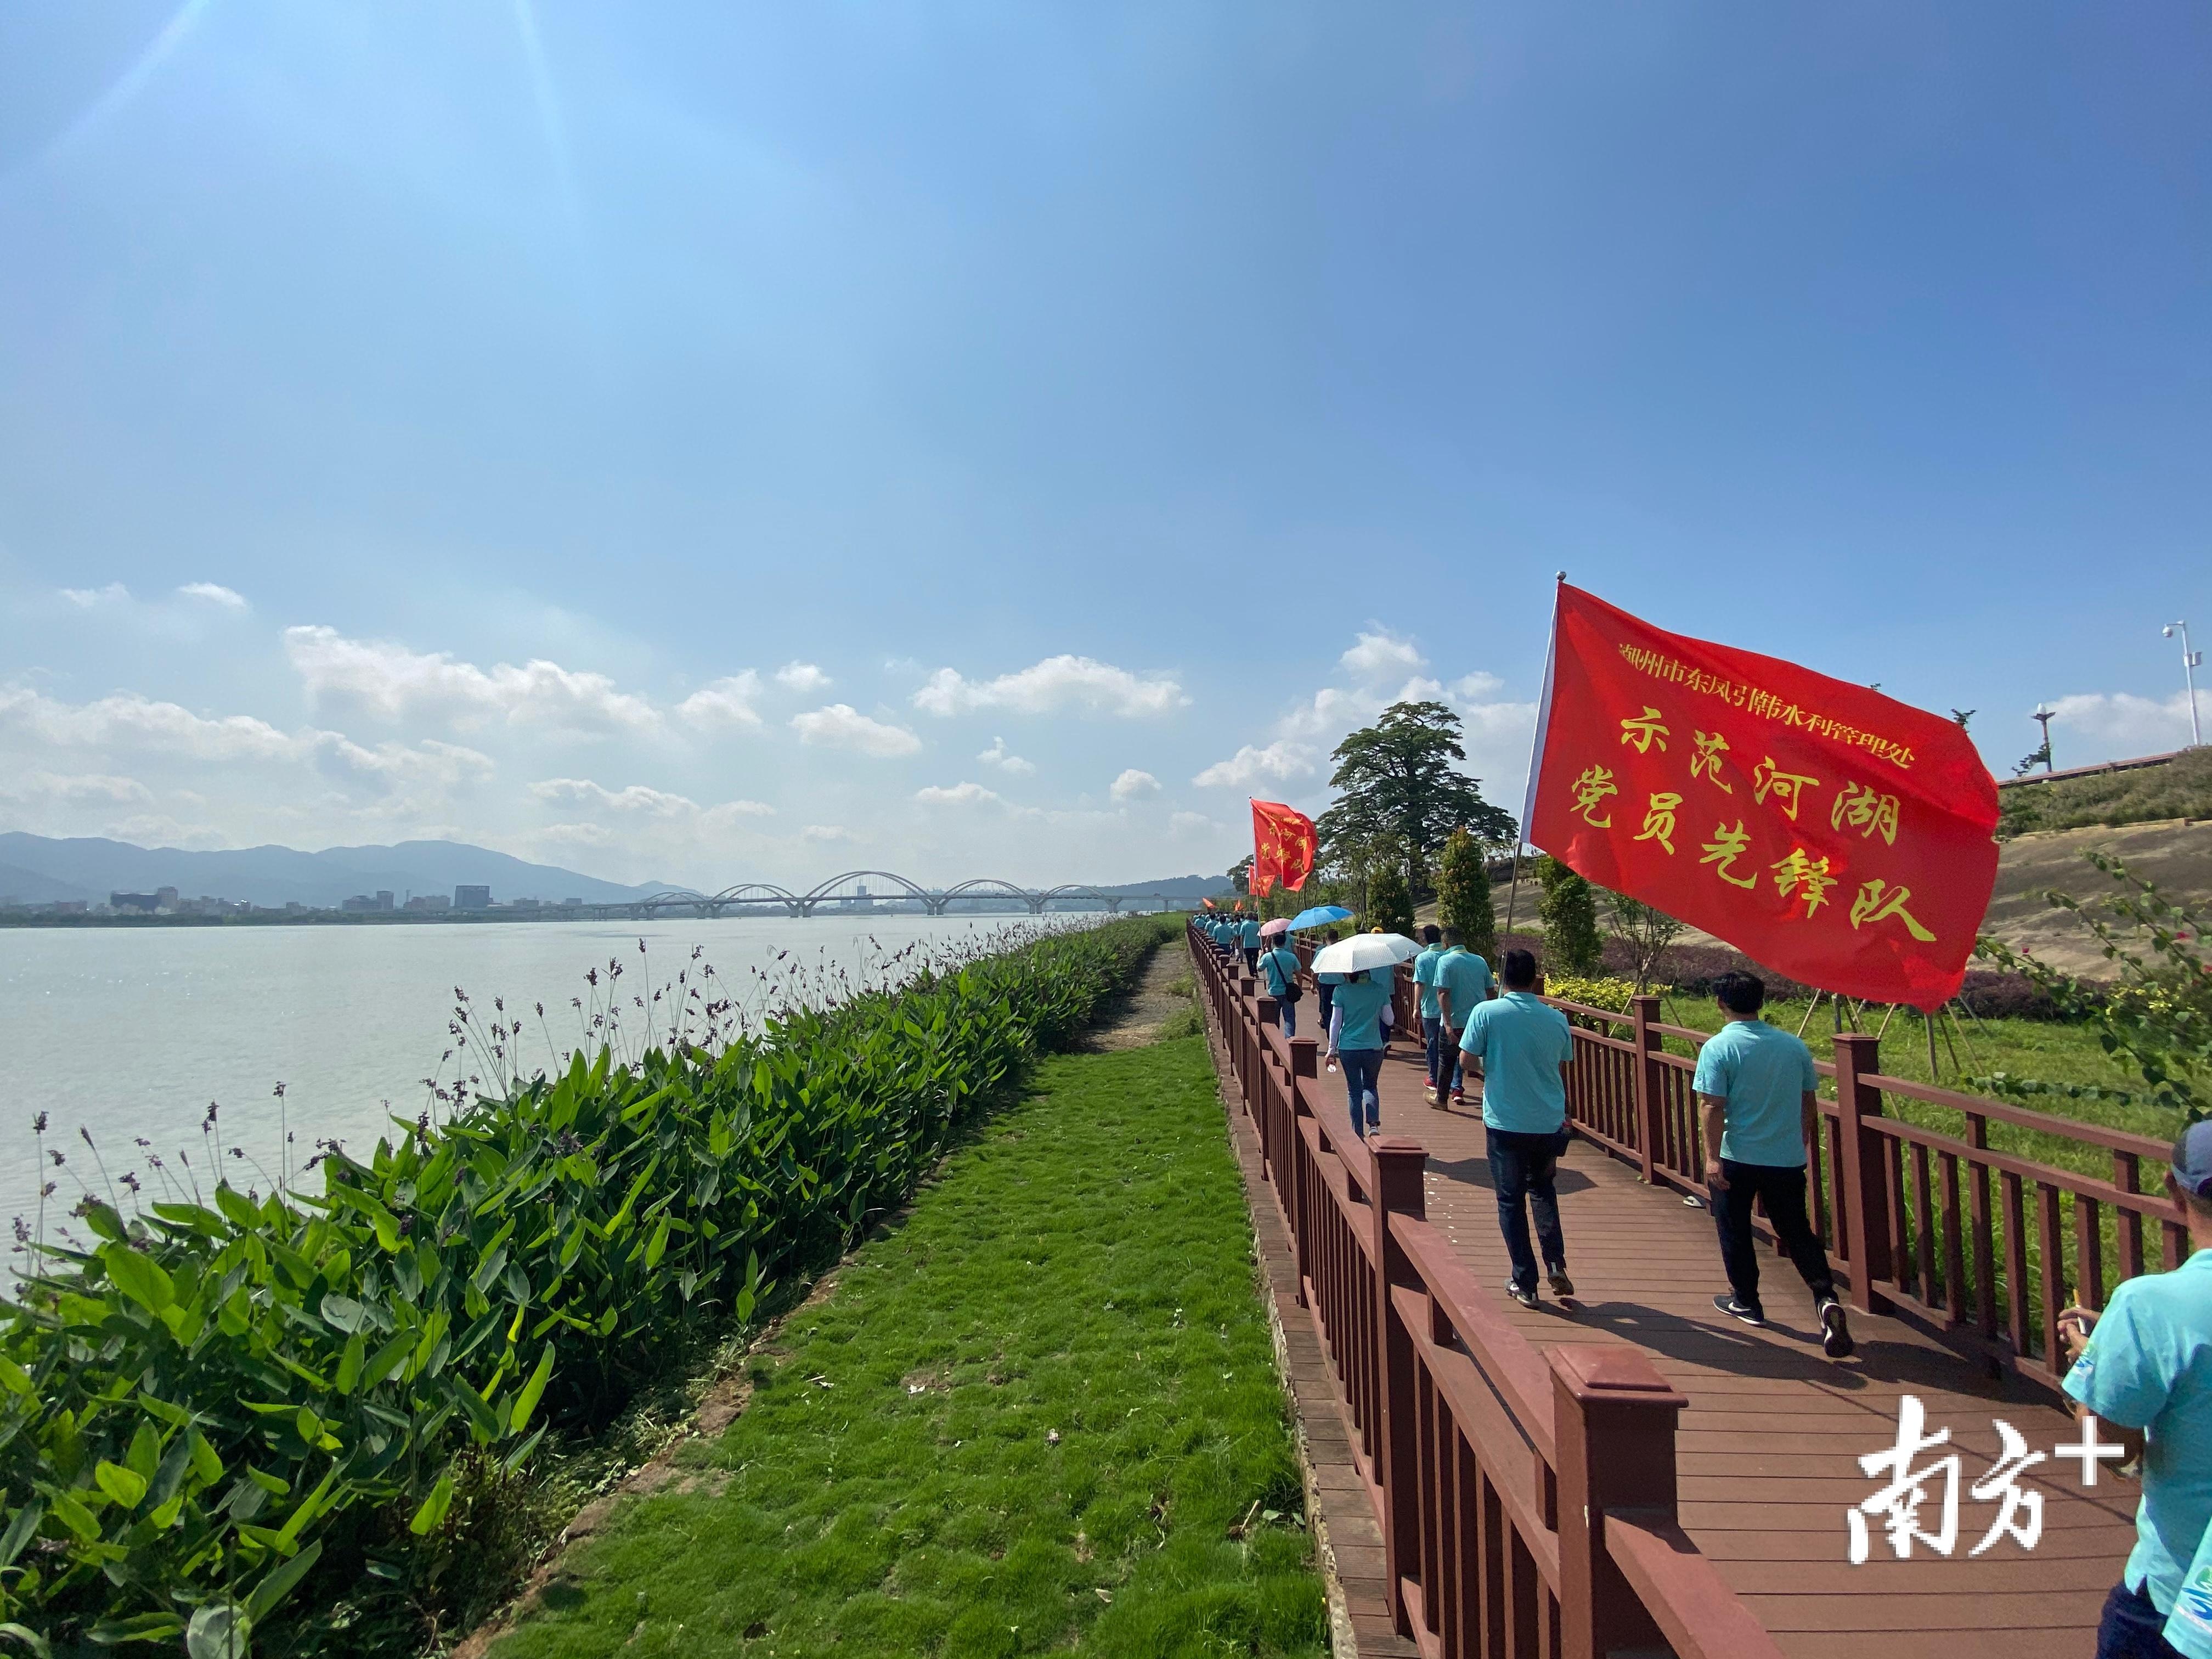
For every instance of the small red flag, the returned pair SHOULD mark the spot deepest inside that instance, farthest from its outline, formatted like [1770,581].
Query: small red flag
[1283,848]
[1827,831]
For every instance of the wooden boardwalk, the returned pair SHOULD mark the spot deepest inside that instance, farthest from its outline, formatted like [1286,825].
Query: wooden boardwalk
[1768,1447]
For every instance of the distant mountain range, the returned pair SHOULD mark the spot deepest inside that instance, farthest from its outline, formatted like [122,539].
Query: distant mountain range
[40,870]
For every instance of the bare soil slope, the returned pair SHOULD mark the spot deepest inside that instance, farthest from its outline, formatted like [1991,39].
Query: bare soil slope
[2176,854]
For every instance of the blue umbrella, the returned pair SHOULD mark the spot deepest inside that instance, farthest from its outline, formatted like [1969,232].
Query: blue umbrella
[1320,917]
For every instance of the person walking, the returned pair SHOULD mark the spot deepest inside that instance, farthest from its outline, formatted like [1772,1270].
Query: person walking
[1521,1046]
[1355,1040]
[1249,939]
[2143,1369]
[1279,969]
[1425,983]
[1757,1099]
[1463,984]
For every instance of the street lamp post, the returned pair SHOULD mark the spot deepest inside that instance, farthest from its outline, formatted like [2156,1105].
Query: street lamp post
[2191,662]
[2042,717]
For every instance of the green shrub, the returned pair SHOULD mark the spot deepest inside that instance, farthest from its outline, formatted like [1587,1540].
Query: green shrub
[216,1400]
[1609,992]
[1463,897]
[1390,901]
[1569,908]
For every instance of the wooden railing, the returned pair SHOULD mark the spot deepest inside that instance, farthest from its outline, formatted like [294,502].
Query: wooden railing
[1527,1499]
[1981,1246]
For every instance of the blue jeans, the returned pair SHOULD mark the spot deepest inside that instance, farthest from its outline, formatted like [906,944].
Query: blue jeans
[1521,1170]
[2132,1628]
[1362,1070]
[1286,1016]
[1438,1036]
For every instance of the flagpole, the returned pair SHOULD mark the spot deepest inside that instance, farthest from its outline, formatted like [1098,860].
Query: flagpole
[1535,755]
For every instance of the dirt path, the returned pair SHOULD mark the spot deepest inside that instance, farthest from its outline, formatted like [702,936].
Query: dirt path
[1134,1018]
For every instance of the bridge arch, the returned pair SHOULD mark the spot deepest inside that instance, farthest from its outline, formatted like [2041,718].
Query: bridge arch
[1079,889]
[826,889]
[978,886]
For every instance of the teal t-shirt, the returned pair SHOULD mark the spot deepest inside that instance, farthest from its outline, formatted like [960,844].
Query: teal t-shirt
[2148,1366]
[1467,976]
[1522,1043]
[1359,999]
[2188,1628]
[1425,975]
[1251,932]
[1280,966]
[1763,1073]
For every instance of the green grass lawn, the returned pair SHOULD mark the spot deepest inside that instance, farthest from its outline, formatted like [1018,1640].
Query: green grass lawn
[1042,1414]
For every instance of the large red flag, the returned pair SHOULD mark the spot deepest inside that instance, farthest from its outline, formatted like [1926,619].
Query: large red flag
[1283,847]
[1824,829]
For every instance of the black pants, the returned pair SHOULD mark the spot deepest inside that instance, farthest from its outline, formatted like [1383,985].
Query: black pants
[1783,1187]
[1522,1167]
[2133,1627]
[1252,959]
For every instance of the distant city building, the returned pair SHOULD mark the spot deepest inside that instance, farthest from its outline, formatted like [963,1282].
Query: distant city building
[473,898]
[569,904]
[429,901]
[165,898]
[363,901]
[146,902]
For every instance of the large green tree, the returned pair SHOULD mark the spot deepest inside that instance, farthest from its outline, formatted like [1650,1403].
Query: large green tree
[1398,779]
[1569,908]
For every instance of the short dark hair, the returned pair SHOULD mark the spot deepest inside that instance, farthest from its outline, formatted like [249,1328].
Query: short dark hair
[1432,932]
[1453,936]
[1741,994]
[1518,969]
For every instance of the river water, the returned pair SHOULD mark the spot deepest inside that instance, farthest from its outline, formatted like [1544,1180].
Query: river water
[129,1033]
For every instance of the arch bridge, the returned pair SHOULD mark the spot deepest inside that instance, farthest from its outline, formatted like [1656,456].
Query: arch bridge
[936,901]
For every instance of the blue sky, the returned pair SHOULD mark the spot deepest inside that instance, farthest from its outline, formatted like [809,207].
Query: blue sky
[704,443]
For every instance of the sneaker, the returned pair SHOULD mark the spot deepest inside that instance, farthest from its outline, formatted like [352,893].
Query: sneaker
[1835,1335]
[1562,1287]
[1727,1304]
[1429,1094]
[1526,1298]
[1459,1097]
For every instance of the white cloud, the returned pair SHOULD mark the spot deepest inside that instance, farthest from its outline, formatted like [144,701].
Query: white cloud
[394,681]
[2125,725]
[960,794]
[1190,823]
[1050,686]
[827,832]
[637,798]
[1132,783]
[75,788]
[87,597]
[214,593]
[1282,759]
[1380,654]
[803,677]
[996,755]
[841,726]
[726,701]
[1472,688]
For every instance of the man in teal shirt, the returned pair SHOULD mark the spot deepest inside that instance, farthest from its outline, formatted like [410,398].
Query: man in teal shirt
[1462,985]
[1278,971]
[2143,1369]
[1425,983]
[1523,1045]
[1756,1091]
[1248,936]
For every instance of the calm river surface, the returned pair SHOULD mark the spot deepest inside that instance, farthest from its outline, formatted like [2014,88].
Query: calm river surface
[130,1032]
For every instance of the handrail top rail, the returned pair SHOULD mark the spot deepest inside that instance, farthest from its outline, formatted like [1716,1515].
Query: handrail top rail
[1508,1358]
[2070,1128]
[1588,1011]
[2155,1206]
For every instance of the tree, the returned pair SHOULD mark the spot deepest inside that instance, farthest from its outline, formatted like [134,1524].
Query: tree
[1646,933]
[1390,901]
[1464,900]
[1569,909]
[1240,874]
[1398,781]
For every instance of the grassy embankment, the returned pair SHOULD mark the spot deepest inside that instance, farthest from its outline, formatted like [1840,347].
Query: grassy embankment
[1040,1411]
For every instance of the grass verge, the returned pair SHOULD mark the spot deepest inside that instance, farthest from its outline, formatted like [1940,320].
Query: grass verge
[1041,1410]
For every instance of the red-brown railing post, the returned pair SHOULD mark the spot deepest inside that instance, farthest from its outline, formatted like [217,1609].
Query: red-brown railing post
[1646,1012]
[1305,1063]
[1399,1166]
[1613,1418]
[1865,1196]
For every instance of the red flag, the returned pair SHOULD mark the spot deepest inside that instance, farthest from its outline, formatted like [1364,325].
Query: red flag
[1283,847]
[1832,833]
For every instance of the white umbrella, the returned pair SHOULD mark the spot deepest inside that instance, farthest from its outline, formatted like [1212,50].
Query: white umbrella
[1361,951]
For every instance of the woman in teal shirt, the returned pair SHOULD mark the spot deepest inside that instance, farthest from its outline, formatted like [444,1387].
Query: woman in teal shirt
[1355,1038]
